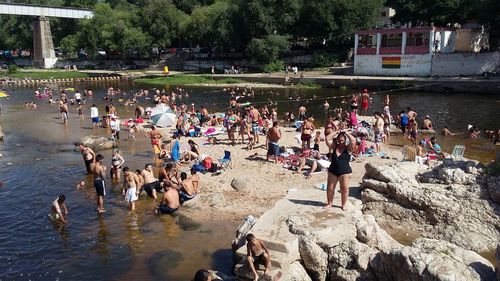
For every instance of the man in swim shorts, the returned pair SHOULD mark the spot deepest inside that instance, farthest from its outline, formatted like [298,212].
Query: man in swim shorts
[273,136]
[57,205]
[94,115]
[379,130]
[169,203]
[99,172]
[151,184]
[257,252]
[186,188]
[130,184]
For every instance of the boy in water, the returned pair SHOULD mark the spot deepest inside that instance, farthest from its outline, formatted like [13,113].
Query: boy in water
[257,252]
[56,213]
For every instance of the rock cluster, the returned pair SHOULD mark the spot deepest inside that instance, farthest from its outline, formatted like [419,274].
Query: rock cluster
[374,255]
[97,143]
[452,202]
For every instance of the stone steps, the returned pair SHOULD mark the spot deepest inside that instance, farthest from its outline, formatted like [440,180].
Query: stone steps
[242,270]
[278,259]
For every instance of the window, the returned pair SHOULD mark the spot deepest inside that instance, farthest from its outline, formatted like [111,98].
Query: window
[367,41]
[417,39]
[392,40]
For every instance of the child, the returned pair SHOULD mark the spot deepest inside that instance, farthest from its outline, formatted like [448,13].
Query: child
[80,112]
[131,132]
[317,140]
[257,252]
[80,185]
[250,137]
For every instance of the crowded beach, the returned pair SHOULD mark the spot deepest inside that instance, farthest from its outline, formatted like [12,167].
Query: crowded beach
[195,153]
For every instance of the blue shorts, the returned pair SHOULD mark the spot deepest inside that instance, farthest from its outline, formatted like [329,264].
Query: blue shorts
[255,128]
[273,150]
[95,119]
[183,197]
[164,209]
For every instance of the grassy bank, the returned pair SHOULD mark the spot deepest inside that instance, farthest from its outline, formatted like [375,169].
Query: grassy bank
[44,74]
[187,80]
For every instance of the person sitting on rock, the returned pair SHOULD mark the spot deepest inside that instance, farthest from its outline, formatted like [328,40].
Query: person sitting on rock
[257,253]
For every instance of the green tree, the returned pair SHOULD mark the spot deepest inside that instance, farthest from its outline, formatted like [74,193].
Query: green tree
[439,12]
[269,48]
[214,26]
[164,22]
[69,44]
[336,20]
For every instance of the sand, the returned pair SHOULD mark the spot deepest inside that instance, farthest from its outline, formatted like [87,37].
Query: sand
[267,181]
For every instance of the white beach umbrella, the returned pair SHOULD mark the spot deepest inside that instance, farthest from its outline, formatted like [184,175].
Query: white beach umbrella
[161,108]
[164,119]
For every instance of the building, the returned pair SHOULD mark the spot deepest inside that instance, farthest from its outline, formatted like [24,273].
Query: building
[385,15]
[423,51]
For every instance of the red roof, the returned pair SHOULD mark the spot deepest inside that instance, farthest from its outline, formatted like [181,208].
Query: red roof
[400,30]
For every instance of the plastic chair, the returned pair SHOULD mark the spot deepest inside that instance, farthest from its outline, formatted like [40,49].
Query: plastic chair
[458,151]
[226,160]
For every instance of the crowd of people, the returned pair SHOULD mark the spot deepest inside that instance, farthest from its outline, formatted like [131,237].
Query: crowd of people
[345,137]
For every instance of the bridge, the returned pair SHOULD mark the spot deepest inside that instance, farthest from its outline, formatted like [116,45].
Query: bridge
[43,47]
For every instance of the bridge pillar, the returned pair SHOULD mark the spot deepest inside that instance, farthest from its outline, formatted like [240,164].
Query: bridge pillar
[43,48]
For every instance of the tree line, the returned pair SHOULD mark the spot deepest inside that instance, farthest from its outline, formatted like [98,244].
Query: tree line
[260,29]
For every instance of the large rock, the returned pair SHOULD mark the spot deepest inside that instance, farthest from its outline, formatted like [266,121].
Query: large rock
[240,183]
[447,204]
[349,261]
[97,143]
[314,258]
[370,233]
[431,260]
[494,189]
[296,272]
[498,261]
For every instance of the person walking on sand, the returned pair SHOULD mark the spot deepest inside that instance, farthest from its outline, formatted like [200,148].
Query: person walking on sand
[379,131]
[306,133]
[365,101]
[272,138]
[99,173]
[257,252]
[130,184]
[339,170]
[57,206]
[254,116]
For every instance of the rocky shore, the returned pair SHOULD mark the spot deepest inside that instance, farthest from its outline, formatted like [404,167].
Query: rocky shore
[453,206]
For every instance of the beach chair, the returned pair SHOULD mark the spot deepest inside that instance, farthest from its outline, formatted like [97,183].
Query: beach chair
[458,151]
[226,160]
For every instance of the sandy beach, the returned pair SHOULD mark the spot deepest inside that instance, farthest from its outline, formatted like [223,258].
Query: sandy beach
[267,181]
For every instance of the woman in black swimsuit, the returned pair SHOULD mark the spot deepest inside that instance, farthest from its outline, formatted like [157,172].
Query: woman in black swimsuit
[339,170]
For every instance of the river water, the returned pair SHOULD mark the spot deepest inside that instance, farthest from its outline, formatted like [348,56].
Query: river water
[39,164]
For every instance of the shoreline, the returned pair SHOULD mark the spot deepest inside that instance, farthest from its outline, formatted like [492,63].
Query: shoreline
[310,80]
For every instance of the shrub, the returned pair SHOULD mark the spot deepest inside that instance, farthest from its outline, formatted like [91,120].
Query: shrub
[12,69]
[275,66]
[323,60]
